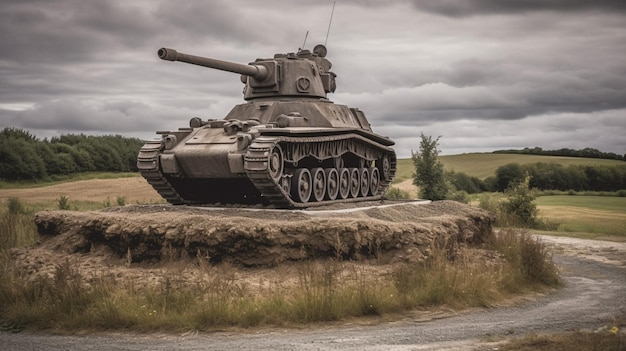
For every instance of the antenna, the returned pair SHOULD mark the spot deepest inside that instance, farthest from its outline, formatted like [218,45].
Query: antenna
[305,36]
[330,22]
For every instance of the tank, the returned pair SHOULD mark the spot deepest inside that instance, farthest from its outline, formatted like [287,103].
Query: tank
[286,146]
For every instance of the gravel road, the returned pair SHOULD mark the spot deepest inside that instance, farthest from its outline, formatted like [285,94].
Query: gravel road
[595,291]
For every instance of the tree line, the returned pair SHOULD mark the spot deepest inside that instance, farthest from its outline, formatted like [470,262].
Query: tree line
[586,152]
[544,176]
[25,157]
[437,184]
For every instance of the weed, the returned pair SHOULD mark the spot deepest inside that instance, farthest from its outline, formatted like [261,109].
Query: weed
[63,202]
[16,226]
[528,256]
[15,206]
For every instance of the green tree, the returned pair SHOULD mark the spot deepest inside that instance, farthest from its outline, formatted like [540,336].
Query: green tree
[19,160]
[507,174]
[429,174]
[520,203]
[464,182]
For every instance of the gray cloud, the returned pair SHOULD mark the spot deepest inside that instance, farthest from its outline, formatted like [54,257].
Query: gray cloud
[485,7]
[483,74]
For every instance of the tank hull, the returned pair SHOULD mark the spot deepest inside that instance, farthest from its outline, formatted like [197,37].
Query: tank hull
[282,167]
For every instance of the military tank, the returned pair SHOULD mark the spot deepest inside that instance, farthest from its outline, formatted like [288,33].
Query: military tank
[287,146]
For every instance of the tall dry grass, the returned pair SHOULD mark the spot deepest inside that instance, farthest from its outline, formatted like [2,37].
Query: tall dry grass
[318,291]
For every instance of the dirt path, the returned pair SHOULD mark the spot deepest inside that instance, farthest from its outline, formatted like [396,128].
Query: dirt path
[595,282]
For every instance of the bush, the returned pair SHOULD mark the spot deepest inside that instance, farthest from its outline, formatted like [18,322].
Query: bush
[491,202]
[464,182]
[516,207]
[519,204]
[458,196]
[394,193]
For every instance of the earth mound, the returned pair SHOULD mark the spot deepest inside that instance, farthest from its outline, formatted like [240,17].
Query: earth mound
[265,238]
[150,244]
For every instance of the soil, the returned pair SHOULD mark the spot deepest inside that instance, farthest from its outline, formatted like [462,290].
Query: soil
[144,243]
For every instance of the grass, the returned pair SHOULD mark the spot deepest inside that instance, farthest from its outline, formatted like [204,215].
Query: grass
[326,291]
[598,203]
[590,217]
[485,165]
[66,179]
[321,291]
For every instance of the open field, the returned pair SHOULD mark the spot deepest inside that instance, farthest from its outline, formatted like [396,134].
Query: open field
[485,165]
[586,216]
[132,190]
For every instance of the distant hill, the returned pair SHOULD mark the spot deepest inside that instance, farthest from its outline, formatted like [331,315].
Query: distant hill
[483,165]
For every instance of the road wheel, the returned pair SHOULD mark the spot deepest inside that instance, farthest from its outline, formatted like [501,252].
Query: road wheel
[275,163]
[344,183]
[365,182]
[319,184]
[374,181]
[384,165]
[355,182]
[332,183]
[301,185]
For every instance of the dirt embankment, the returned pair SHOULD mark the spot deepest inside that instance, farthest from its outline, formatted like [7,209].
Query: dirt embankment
[127,238]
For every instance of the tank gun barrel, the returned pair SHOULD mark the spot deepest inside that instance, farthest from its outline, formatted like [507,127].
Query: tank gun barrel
[258,72]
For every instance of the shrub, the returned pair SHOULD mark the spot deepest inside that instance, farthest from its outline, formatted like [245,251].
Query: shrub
[64,202]
[459,196]
[519,204]
[394,193]
[528,255]
[491,202]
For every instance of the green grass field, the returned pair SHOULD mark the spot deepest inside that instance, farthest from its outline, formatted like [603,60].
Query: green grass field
[599,217]
[485,165]
[586,216]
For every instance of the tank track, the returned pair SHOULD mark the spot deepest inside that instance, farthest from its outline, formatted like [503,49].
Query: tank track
[148,164]
[257,161]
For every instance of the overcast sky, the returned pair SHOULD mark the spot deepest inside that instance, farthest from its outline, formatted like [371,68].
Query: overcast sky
[482,74]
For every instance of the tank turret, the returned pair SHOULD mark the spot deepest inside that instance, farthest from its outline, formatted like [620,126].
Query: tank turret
[303,74]
[287,146]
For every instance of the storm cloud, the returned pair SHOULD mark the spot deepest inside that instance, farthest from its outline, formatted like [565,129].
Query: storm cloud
[483,74]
